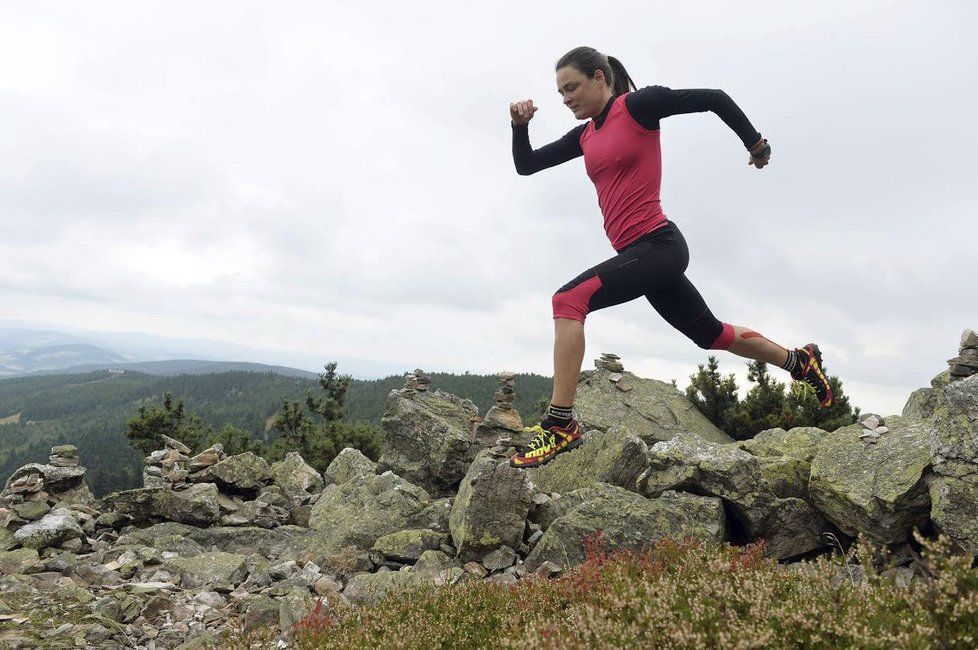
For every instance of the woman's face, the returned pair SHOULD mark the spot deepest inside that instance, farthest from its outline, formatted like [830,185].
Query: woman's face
[584,97]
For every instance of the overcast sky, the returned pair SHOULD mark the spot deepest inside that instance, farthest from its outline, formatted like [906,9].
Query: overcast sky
[336,179]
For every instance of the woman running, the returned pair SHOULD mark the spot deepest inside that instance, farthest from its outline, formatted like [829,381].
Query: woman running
[620,145]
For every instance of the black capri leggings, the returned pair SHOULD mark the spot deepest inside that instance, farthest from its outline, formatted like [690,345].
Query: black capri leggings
[653,266]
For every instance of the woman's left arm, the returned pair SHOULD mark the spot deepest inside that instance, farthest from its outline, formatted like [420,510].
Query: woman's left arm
[650,104]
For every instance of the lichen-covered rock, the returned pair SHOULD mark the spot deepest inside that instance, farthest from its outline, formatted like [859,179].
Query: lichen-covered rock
[242,474]
[432,563]
[428,439]
[545,514]
[880,489]
[349,464]
[360,511]
[651,409]
[368,588]
[490,508]
[296,477]
[614,457]
[785,458]
[953,487]
[790,526]
[244,540]
[53,529]
[21,561]
[214,568]
[294,606]
[56,479]
[628,521]
[408,545]
[6,540]
[197,505]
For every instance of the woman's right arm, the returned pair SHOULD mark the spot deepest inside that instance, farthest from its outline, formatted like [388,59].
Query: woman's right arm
[529,161]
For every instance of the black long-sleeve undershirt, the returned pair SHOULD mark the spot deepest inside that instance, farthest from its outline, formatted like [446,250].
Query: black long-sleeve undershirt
[647,106]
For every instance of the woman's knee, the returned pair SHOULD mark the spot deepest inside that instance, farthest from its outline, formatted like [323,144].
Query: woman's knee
[710,333]
[573,300]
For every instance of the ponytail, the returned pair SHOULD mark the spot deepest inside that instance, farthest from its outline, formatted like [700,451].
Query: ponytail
[588,60]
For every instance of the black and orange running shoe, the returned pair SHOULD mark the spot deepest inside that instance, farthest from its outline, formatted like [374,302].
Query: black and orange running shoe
[810,371]
[547,443]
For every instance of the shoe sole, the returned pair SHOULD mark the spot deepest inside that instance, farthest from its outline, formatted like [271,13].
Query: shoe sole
[574,444]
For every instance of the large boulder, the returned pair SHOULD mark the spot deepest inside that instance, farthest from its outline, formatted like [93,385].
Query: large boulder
[214,568]
[53,529]
[198,505]
[790,526]
[952,409]
[615,457]
[627,521]
[368,588]
[490,508]
[244,474]
[56,479]
[349,464]
[650,409]
[785,458]
[876,489]
[239,540]
[360,511]
[408,545]
[428,438]
[296,477]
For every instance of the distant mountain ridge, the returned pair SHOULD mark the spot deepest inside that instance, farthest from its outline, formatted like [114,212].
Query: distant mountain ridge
[55,358]
[170,368]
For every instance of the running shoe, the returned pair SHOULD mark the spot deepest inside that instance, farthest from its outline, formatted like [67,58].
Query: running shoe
[810,371]
[547,443]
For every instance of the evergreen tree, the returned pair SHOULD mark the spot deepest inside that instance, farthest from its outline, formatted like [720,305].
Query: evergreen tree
[144,431]
[763,406]
[236,440]
[321,434]
[714,396]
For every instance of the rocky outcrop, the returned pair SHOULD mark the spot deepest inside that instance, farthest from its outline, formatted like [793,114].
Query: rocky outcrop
[877,489]
[359,512]
[428,439]
[627,521]
[491,507]
[614,457]
[652,410]
[790,526]
[197,505]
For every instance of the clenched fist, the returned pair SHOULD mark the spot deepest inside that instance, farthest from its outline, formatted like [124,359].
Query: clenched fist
[522,112]
[760,154]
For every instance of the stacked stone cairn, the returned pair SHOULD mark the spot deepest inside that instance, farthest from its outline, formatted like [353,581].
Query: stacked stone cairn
[502,425]
[172,466]
[612,363]
[416,382]
[874,426]
[966,363]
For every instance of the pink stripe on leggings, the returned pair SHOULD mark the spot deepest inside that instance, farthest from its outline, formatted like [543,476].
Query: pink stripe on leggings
[574,303]
[725,339]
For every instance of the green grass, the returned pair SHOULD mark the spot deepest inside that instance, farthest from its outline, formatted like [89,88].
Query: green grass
[678,595]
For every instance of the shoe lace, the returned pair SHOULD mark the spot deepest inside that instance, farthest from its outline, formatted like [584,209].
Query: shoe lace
[540,438]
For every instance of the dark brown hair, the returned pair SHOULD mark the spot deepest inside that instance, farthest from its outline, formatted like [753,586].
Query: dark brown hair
[587,60]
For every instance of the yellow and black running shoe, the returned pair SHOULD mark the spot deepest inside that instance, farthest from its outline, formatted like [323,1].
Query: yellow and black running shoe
[547,443]
[810,371]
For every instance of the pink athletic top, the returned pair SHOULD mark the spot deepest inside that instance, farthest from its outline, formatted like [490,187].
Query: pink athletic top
[624,160]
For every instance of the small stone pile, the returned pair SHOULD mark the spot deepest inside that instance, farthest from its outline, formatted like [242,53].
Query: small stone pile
[417,381]
[64,456]
[612,363]
[966,363]
[502,424]
[172,467]
[874,426]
